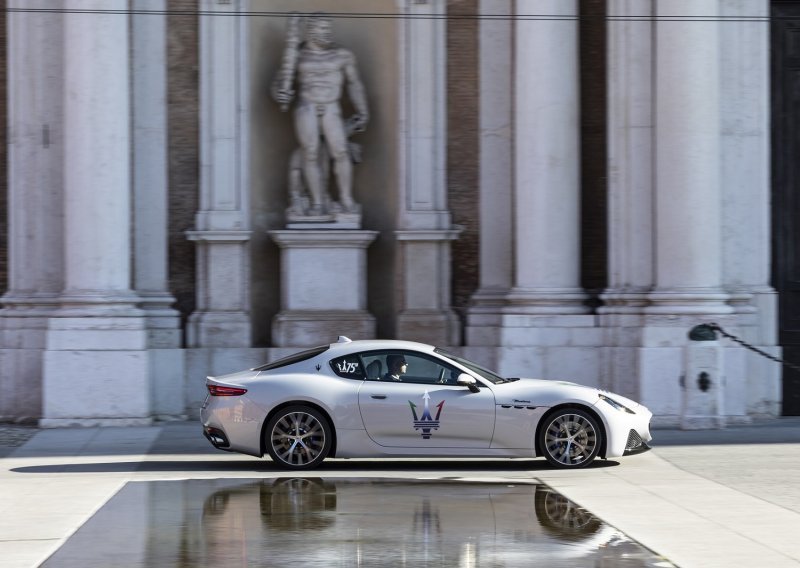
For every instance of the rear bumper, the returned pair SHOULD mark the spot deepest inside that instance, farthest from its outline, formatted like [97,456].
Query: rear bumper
[233,423]
[217,438]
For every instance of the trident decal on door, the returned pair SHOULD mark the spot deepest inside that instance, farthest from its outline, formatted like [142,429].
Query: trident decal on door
[426,422]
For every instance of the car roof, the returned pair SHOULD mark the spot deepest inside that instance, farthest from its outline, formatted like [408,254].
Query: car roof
[344,345]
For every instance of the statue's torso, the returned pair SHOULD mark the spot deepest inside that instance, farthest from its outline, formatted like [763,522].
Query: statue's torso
[321,75]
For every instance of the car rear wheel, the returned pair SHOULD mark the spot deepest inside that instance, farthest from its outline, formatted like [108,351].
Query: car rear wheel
[298,437]
[570,438]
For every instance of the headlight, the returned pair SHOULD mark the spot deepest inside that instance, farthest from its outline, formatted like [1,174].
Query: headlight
[615,404]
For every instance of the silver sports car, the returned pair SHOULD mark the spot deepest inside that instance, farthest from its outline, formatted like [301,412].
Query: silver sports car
[383,398]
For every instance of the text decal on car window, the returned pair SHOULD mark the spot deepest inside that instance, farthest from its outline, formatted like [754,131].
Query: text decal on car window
[347,367]
[427,422]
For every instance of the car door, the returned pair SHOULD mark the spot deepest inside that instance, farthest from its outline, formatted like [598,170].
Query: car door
[423,408]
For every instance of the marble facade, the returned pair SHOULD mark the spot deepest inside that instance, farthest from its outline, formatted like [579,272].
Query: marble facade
[88,308]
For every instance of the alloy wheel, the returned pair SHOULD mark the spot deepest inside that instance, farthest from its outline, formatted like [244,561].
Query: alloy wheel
[571,439]
[298,438]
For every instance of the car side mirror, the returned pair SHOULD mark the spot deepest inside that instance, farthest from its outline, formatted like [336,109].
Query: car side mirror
[468,381]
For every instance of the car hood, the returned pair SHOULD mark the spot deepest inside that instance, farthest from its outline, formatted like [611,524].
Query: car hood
[544,392]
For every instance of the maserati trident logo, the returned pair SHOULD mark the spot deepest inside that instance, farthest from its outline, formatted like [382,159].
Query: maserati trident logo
[426,422]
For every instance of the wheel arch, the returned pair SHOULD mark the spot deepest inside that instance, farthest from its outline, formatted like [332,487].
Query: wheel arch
[317,407]
[588,409]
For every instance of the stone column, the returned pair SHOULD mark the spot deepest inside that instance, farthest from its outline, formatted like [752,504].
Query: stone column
[687,286]
[753,384]
[425,228]
[630,158]
[222,226]
[150,206]
[96,365]
[528,315]
[35,158]
[496,161]
[149,87]
[687,166]
[547,162]
[744,124]
[631,240]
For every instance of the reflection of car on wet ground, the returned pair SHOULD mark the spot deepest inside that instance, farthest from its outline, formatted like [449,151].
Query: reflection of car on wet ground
[387,398]
[408,523]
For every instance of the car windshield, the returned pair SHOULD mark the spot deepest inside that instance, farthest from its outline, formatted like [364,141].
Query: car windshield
[490,376]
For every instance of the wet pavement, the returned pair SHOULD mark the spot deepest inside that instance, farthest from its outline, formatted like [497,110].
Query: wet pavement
[308,521]
[162,496]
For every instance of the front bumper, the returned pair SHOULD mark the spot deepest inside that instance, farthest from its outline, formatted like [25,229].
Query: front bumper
[635,444]
[628,434]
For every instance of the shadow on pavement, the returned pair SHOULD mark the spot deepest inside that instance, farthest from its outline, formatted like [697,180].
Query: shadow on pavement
[266,466]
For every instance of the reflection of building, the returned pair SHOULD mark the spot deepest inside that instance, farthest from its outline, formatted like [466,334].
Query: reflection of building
[600,222]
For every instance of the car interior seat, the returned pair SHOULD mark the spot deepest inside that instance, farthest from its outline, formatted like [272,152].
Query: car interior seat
[374,371]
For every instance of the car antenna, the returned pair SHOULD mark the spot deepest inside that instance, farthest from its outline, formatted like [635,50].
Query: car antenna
[343,339]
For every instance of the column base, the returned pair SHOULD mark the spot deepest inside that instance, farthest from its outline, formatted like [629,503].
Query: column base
[163,322]
[429,326]
[96,368]
[547,301]
[219,329]
[23,336]
[308,328]
[688,301]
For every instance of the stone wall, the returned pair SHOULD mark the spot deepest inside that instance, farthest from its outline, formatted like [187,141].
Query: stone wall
[3,155]
[183,147]
[594,179]
[463,146]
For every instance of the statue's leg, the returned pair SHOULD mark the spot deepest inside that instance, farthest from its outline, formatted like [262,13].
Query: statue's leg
[296,188]
[306,125]
[336,139]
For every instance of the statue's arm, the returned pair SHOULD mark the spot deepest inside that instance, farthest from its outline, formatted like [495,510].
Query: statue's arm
[282,90]
[356,91]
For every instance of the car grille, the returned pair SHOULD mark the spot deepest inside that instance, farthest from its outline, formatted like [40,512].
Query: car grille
[634,441]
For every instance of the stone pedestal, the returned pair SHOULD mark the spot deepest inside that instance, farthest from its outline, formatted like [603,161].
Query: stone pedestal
[425,313]
[703,387]
[323,286]
[222,317]
[96,371]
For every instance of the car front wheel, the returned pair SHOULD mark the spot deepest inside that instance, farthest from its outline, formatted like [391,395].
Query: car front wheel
[298,437]
[570,438]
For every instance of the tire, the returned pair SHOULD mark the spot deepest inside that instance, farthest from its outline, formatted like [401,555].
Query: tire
[570,438]
[298,437]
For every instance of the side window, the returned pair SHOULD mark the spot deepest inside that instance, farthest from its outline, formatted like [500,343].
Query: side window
[408,367]
[348,367]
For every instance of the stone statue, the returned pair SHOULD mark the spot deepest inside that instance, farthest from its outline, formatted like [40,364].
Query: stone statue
[321,69]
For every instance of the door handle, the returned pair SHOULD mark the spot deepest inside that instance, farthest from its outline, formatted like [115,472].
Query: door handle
[378,396]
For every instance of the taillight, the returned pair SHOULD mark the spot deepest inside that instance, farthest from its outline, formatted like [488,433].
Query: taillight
[218,390]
